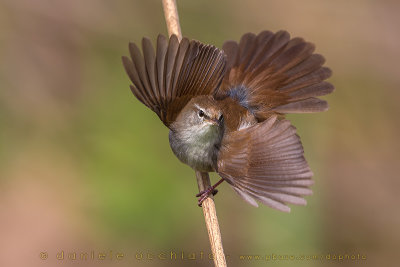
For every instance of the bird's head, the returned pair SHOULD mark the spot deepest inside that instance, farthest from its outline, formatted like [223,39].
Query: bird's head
[200,118]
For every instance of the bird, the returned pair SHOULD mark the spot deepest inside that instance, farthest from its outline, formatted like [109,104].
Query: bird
[225,108]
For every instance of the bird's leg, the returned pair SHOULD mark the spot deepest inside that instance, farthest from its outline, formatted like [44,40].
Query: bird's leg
[204,194]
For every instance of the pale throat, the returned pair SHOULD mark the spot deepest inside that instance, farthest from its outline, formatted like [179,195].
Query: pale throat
[197,145]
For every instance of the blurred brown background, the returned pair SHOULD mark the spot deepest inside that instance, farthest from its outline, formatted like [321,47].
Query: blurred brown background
[85,167]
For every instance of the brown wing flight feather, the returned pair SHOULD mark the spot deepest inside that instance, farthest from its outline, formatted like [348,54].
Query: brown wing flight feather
[271,73]
[265,162]
[167,79]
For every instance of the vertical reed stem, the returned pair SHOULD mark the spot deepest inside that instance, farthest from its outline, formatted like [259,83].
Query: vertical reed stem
[203,180]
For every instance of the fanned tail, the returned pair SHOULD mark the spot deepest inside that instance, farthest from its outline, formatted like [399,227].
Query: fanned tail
[273,74]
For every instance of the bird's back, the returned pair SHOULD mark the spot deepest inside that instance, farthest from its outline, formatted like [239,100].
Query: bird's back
[236,116]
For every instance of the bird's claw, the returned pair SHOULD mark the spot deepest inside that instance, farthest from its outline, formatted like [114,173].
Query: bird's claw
[205,193]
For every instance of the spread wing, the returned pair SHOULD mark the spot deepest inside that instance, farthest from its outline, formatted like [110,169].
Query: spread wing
[167,79]
[273,74]
[265,162]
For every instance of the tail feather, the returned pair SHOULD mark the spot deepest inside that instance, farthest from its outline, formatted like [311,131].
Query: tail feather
[267,73]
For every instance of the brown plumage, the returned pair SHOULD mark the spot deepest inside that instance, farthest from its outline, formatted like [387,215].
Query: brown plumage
[279,74]
[165,82]
[222,108]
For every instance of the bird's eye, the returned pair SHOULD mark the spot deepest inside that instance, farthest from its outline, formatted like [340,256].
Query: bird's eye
[201,113]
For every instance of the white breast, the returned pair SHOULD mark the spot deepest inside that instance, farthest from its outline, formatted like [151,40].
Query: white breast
[196,147]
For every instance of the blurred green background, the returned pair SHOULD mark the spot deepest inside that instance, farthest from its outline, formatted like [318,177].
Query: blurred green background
[85,167]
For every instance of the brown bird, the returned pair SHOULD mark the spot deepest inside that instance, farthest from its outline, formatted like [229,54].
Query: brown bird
[225,108]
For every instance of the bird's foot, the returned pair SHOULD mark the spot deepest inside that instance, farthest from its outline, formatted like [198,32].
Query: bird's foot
[205,193]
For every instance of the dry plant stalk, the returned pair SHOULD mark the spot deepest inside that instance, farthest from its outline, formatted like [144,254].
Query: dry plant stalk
[203,180]
[172,18]
[210,216]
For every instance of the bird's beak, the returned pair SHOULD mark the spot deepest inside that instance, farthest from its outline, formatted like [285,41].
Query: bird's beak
[212,121]
[215,121]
